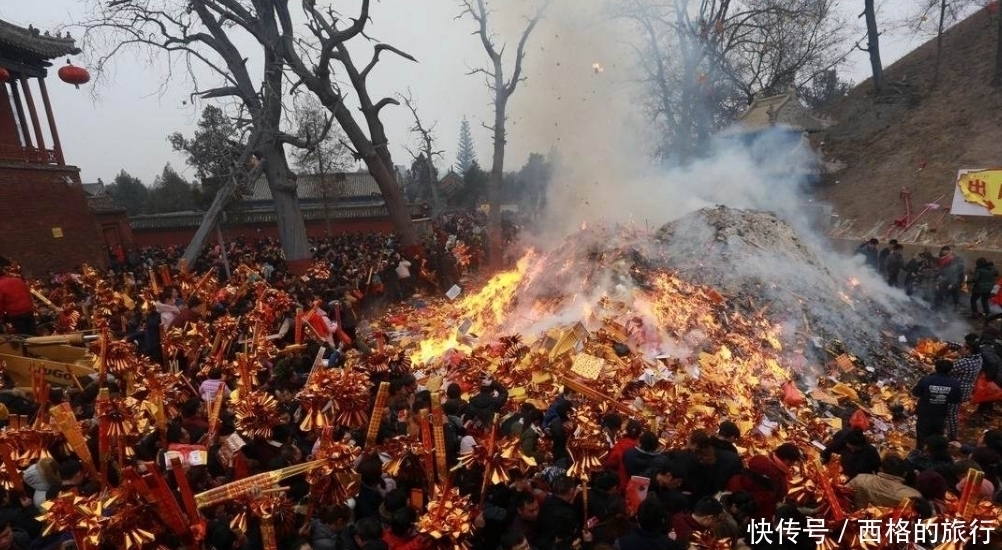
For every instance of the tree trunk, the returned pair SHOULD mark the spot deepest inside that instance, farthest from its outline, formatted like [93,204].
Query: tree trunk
[288,216]
[210,220]
[939,42]
[997,81]
[873,46]
[382,171]
[495,242]
[436,206]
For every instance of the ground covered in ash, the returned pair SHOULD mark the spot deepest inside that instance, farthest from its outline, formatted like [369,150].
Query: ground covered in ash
[826,304]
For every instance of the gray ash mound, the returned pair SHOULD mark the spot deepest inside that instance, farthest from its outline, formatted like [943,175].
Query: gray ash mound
[826,304]
[758,261]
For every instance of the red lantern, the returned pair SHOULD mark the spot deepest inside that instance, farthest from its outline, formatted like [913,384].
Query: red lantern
[4,75]
[71,74]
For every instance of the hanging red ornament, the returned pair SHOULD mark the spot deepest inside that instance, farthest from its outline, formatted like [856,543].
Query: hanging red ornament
[71,74]
[4,75]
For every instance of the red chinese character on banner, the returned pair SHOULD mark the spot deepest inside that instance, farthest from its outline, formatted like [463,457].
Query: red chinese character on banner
[977,187]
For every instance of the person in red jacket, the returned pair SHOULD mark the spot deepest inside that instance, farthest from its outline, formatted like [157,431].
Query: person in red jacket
[614,460]
[16,307]
[704,516]
[767,478]
[400,534]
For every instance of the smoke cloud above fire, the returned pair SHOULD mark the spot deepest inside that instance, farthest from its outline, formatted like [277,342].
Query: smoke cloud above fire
[593,118]
[583,100]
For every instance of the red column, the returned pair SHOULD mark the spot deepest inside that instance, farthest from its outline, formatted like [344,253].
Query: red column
[52,122]
[25,134]
[39,140]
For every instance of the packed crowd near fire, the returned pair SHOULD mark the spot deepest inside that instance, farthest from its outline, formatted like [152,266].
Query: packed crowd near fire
[358,407]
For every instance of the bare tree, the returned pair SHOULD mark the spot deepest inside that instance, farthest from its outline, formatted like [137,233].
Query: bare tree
[312,58]
[200,33]
[704,61]
[873,46]
[327,159]
[501,89]
[426,137]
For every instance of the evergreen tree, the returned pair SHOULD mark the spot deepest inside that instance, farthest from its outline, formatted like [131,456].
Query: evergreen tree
[465,155]
[474,189]
[129,191]
[211,151]
[171,193]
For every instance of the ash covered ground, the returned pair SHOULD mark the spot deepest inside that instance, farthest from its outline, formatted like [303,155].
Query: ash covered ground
[825,304]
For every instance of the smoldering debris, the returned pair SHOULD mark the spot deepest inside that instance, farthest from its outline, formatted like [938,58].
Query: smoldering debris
[758,260]
[757,264]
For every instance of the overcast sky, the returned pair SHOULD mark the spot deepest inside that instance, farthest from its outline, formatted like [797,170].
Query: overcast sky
[126,126]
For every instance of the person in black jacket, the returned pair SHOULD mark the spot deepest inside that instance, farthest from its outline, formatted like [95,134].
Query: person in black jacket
[893,265]
[483,406]
[707,468]
[869,251]
[884,254]
[557,508]
[858,456]
[727,434]
[560,429]
[639,459]
[935,392]
[651,532]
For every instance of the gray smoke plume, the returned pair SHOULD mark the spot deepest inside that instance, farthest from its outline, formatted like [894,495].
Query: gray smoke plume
[581,98]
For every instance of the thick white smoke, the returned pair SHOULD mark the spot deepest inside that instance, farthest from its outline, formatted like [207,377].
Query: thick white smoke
[582,97]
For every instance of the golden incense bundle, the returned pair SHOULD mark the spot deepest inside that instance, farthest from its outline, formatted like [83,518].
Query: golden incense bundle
[377,414]
[250,485]
[438,432]
[66,422]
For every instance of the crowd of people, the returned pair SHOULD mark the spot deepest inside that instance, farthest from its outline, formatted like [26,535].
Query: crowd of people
[941,280]
[650,493]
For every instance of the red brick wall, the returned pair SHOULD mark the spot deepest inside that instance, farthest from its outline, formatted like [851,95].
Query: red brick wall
[114,229]
[34,200]
[183,236]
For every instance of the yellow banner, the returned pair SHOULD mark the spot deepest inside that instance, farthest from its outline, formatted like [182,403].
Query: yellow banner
[983,187]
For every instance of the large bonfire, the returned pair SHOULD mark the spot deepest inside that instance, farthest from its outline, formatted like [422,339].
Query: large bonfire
[722,302]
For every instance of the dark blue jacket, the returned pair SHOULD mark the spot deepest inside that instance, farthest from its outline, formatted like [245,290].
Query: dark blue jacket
[934,392]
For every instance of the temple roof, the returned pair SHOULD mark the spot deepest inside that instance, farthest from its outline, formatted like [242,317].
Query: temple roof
[99,201]
[24,44]
[341,185]
[784,110]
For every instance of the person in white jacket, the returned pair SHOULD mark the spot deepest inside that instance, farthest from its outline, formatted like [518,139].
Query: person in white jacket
[404,275]
[167,307]
[42,476]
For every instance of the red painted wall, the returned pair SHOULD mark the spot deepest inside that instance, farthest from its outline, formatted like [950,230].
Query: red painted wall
[115,229]
[183,236]
[33,201]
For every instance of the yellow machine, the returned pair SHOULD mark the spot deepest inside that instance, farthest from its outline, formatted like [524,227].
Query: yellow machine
[61,358]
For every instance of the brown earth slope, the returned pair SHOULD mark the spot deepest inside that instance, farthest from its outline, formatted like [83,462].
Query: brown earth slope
[956,125]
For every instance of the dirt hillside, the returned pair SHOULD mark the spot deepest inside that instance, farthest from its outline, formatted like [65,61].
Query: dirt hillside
[918,137]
